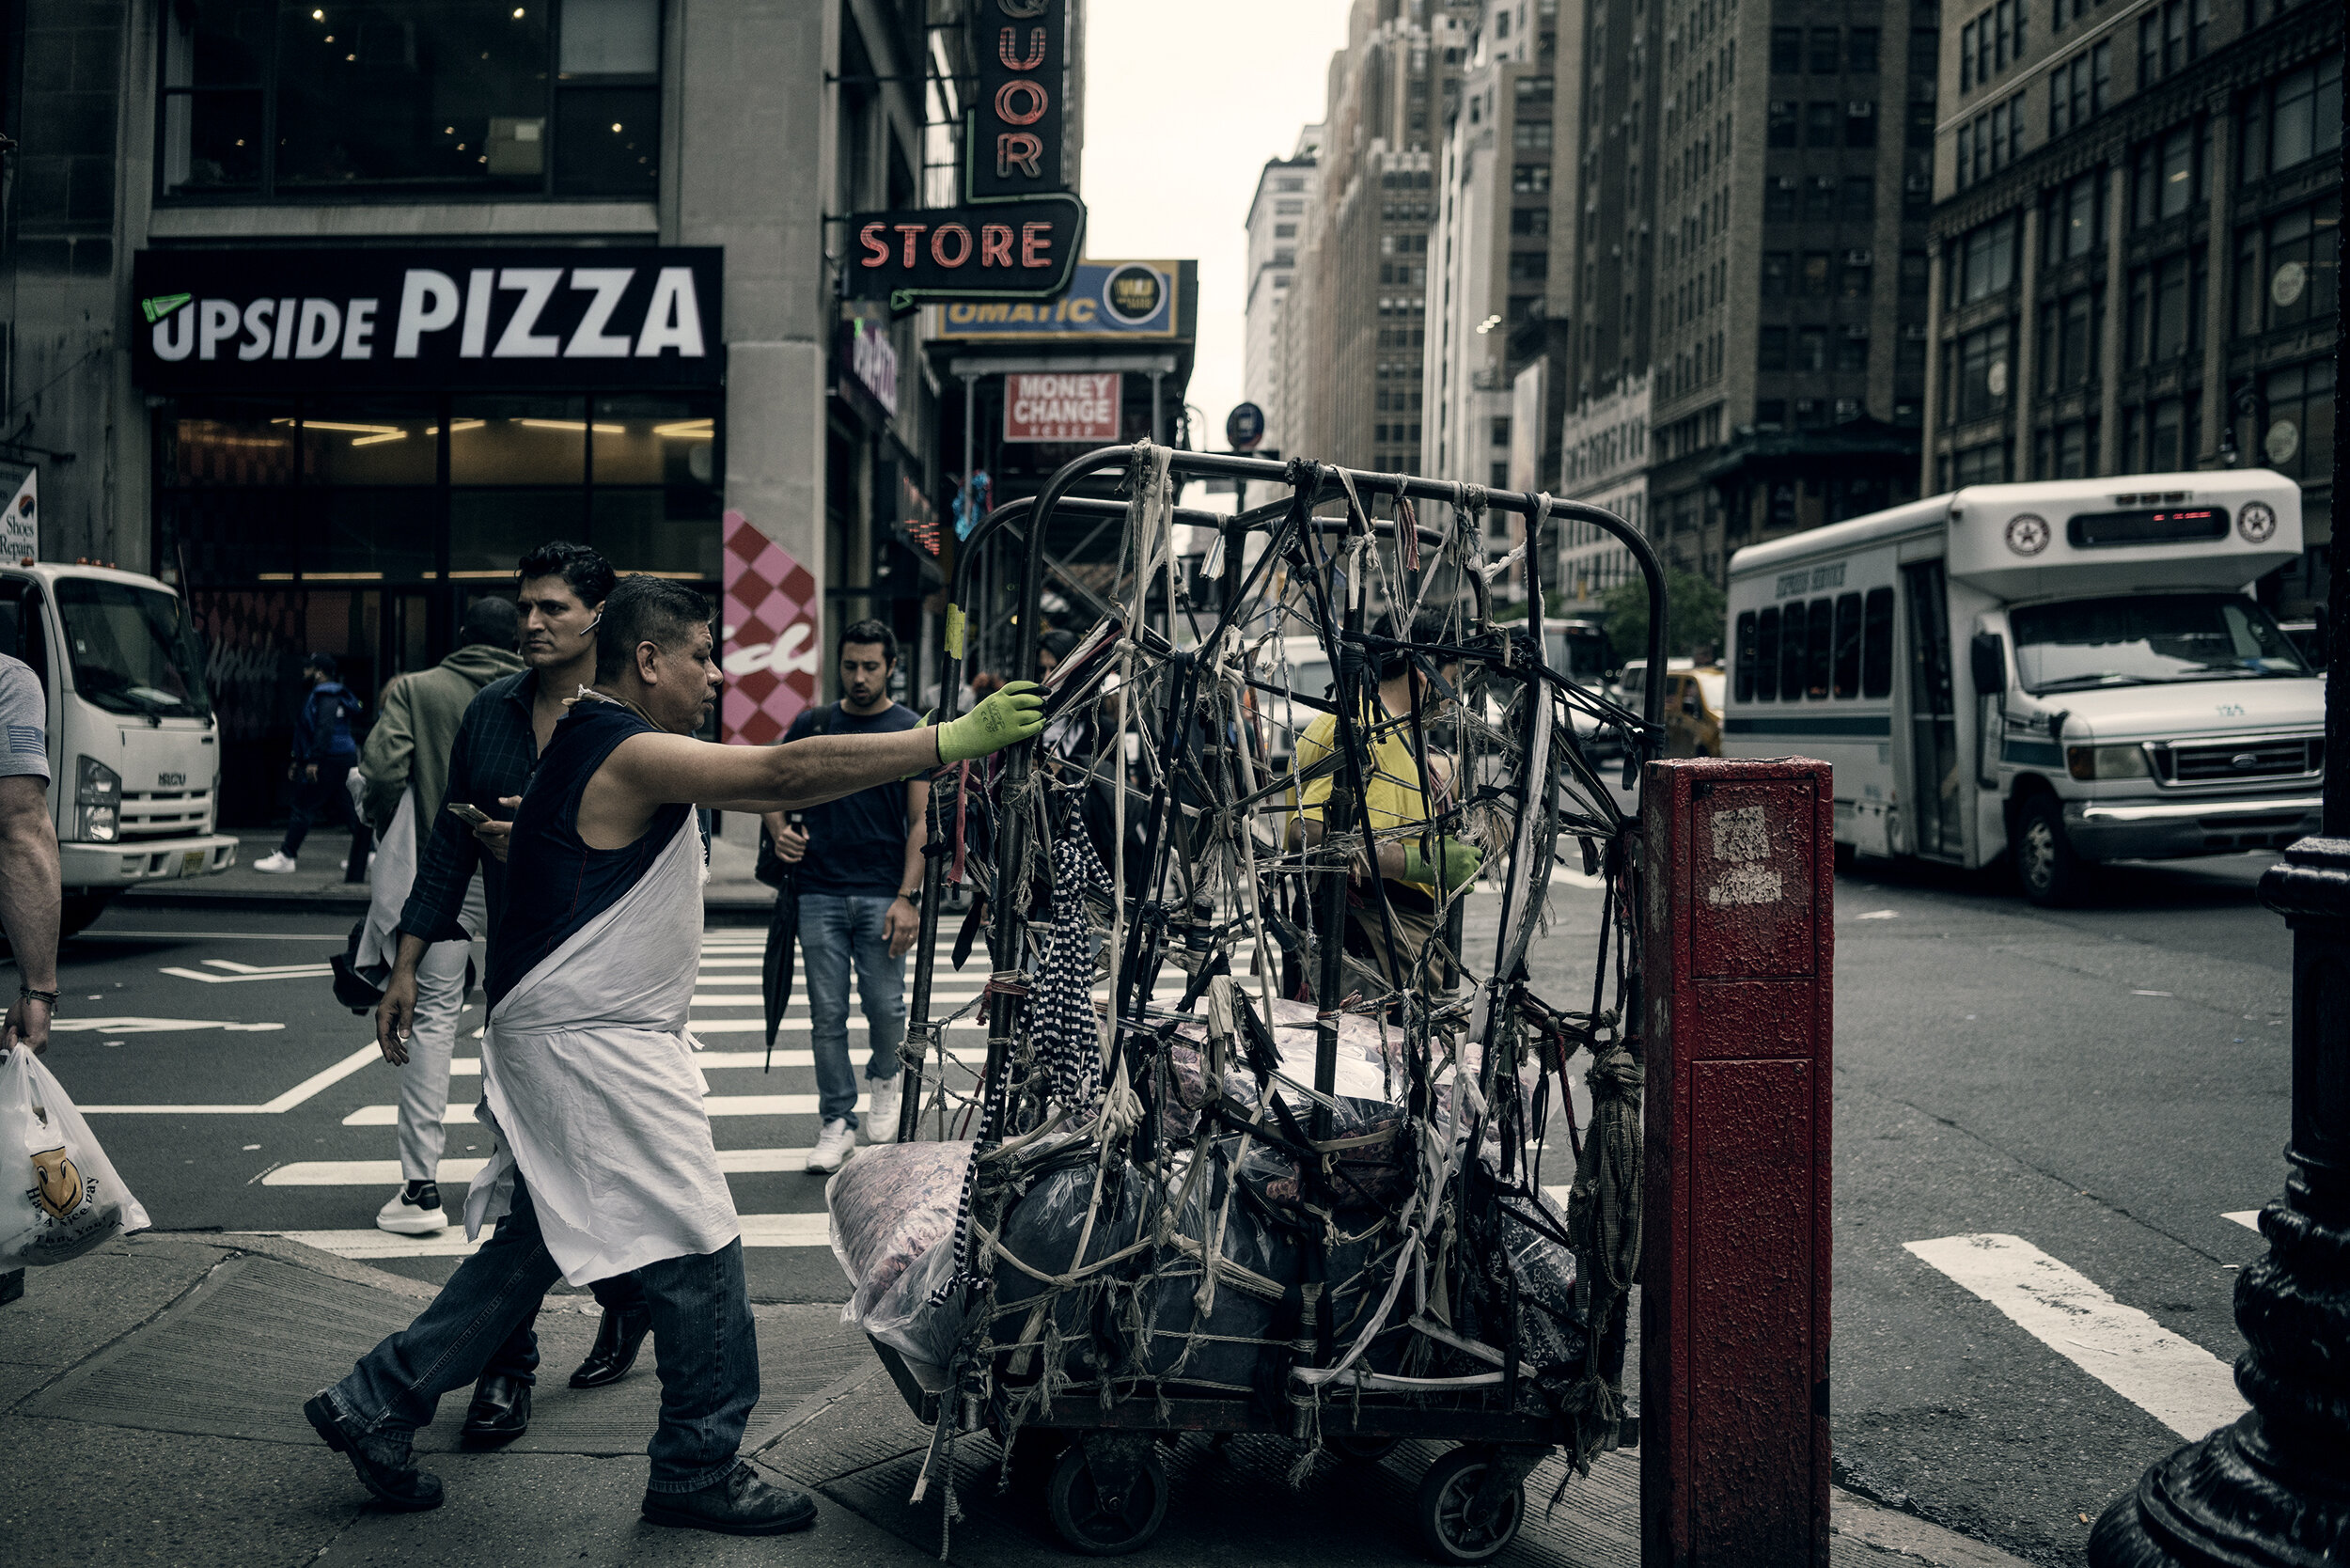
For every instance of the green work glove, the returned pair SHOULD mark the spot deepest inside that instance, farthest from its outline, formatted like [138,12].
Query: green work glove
[1460,861]
[1008,716]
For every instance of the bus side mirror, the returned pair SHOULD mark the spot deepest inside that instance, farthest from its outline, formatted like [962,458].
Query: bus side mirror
[1988,654]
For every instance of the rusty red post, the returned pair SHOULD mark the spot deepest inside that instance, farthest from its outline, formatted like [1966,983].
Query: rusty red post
[1739,1024]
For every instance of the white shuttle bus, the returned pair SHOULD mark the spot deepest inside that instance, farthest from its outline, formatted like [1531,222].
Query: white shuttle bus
[2069,672]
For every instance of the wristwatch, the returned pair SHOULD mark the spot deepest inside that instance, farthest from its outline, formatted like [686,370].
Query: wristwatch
[913,895]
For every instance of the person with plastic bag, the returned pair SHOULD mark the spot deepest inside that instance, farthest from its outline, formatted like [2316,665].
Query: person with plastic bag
[404,771]
[605,1161]
[60,1195]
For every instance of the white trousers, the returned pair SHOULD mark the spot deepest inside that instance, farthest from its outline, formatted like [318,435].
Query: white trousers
[432,1040]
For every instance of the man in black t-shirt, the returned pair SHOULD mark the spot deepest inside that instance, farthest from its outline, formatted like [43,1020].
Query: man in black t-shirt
[860,860]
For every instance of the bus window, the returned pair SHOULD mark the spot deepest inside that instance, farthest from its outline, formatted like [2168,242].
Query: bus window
[1766,656]
[1876,644]
[1791,653]
[1848,644]
[1820,627]
[1746,657]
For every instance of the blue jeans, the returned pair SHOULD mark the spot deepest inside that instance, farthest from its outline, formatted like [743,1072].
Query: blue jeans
[706,1348]
[835,928]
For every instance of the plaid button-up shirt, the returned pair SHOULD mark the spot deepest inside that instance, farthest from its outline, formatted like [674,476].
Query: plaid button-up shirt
[496,752]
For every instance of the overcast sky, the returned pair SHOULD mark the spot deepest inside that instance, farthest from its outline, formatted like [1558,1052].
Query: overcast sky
[1184,105]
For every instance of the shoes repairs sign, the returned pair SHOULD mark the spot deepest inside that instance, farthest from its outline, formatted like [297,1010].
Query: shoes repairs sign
[537,317]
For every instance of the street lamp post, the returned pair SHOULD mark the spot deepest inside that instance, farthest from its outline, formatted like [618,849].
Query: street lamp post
[2273,1490]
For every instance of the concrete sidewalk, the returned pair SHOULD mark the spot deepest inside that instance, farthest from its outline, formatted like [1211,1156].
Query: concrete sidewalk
[151,1393]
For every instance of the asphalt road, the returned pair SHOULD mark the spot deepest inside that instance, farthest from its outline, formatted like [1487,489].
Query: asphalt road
[2106,1085]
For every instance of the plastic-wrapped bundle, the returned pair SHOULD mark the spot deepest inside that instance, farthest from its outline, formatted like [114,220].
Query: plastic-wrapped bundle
[889,1206]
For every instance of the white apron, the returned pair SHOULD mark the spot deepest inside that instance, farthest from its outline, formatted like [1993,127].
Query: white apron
[588,1080]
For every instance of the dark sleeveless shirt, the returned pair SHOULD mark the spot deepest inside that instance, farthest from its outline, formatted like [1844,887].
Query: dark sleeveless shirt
[554,882]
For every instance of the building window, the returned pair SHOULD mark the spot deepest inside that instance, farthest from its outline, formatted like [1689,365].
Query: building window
[1536,89]
[1778,269]
[2302,277]
[1826,58]
[1990,141]
[410,96]
[2072,331]
[1856,278]
[1851,350]
[1861,52]
[1981,466]
[1811,348]
[2168,36]
[1815,274]
[2293,119]
[1860,198]
[2079,88]
[1771,349]
[1529,266]
[1779,199]
[1781,132]
[1925,53]
[2168,174]
[1529,222]
[2166,308]
[1531,135]
[1989,43]
[1786,50]
[1530,178]
[1819,199]
[1915,271]
[2296,431]
[1822,120]
[1982,373]
[2075,222]
[1982,262]
[1860,123]
[2068,451]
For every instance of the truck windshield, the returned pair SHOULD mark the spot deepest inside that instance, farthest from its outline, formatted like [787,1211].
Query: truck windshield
[2149,640]
[132,649]
[1579,652]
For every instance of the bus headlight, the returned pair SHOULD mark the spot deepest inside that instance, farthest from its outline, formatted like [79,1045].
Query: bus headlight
[2092,763]
[96,802]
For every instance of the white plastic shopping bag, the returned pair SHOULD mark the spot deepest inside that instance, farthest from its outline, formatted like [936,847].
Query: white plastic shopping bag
[60,1195]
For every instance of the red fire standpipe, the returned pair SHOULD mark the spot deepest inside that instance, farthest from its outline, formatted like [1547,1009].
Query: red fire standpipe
[1740,944]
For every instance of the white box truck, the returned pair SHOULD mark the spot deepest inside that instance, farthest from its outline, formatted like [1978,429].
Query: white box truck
[133,746]
[2066,673]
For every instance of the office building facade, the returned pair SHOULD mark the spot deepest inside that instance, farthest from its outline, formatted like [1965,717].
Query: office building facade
[2136,249]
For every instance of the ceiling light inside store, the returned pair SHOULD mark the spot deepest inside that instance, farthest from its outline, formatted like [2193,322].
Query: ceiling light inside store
[687,429]
[332,425]
[379,440]
[572,425]
[456,425]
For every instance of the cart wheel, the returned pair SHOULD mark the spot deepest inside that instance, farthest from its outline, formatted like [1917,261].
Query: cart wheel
[1447,1499]
[1109,1513]
[1370,1451]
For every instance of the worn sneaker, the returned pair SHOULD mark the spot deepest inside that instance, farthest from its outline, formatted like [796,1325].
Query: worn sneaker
[832,1146]
[414,1210]
[881,1117]
[275,864]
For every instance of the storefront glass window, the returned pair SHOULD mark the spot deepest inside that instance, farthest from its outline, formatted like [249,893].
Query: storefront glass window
[518,440]
[367,442]
[226,442]
[365,534]
[490,529]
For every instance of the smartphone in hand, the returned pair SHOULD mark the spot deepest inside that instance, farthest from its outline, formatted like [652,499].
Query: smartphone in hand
[468,813]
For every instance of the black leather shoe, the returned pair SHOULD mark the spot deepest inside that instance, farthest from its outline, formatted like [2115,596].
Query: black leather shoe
[385,1464]
[500,1411]
[618,1338]
[740,1503]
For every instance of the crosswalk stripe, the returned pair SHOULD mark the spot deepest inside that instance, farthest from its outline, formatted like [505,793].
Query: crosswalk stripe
[458,1172]
[714,1062]
[2174,1380]
[717,1105]
[810,1229]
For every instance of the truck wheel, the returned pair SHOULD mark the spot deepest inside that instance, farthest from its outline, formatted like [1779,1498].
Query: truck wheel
[75,911]
[2052,873]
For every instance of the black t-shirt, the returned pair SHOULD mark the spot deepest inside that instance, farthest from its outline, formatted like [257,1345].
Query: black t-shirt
[856,845]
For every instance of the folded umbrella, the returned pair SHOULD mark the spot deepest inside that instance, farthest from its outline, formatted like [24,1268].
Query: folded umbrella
[775,977]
